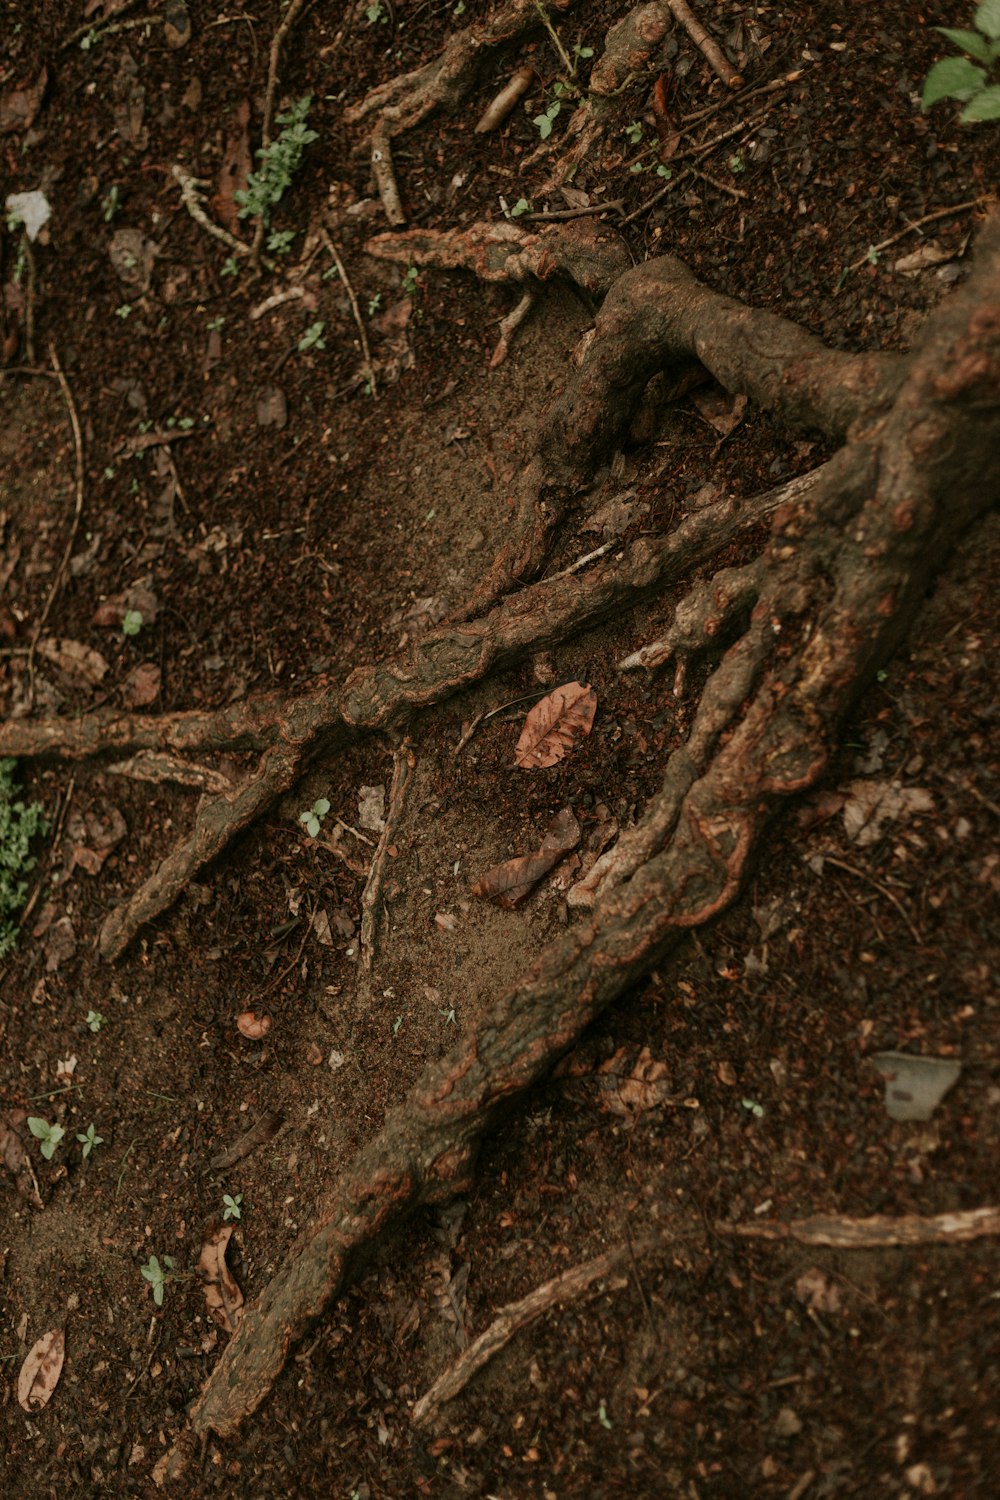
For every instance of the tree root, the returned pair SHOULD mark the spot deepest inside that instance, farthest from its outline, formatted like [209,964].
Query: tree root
[842,585]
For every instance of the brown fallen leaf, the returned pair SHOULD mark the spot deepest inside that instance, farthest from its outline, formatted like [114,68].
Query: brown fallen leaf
[631,1088]
[92,834]
[272,407]
[554,725]
[142,685]
[41,1370]
[15,1158]
[73,658]
[61,944]
[720,410]
[252,1026]
[872,804]
[112,611]
[18,107]
[507,885]
[235,169]
[176,24]
[223,1296]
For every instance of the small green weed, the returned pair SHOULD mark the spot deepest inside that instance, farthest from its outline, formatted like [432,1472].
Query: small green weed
[634,132]
[48,1135]
[279,163]
[279,241]
[94,1020]
[158,1275]
[375,14]
[374,303]
[313,337]
[132,622]
[314,816]
[543,123]
[89,1140]
[230,267]
[958,78]
[19,823]
[231,1206]
[410,282]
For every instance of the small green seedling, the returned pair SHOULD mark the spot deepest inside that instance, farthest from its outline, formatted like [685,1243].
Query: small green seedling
[123,312]
[216,324]
[279,163]
[48,1135]
[89,1140]
[522,206]
[313,337]
[757,1110]
[132,622]
[737,165]
[94,1020]
[543,123]
[279,241]
[958,78]
[449,1016]
[374,303]
[410,282]
[634,132]
[582,54]
[158,1275]
[230,267]
[603,1418]
[231,1206]
[314,816]
[19,823]
[665,172]
[375,14]
[110,204]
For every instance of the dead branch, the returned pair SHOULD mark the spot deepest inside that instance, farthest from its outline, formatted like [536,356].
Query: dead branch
[358,320]
[709,49]
[573,1285]
[841,1232]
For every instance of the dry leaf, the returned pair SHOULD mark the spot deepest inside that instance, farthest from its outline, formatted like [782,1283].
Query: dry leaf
[92,835]
[142,685]
[720,410]
[817,1291]
[872,804]
[41,1370]
[15,1158]
[321,927]
[507,885]
[132,256]
[61,944]
[176,24]
[235,169]
[554,725]
[223,1296]
[252,1026]
[931,253]
[272,407]
[18,107]
[73,658]
[140,597]
[633,1089]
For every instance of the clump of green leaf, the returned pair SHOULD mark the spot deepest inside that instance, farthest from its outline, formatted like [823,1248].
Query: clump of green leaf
[158,1275]
[19,823]
[279,163]
[958,78]
[49,1135]
[543,123]
[313,816]
[88,1140]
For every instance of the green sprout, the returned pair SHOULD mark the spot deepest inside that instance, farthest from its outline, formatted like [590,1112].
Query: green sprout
[313,337]
[757,1110]
[132,622]
[231,1206]
[374,303]
[410,282]
[94,1020]
[543,123]
[89,1140]
[279,241]
[522,206]
[19,823]
[314,816]
[279,163]
[230,267]
[48,1135]
[634,132]
[158,1275]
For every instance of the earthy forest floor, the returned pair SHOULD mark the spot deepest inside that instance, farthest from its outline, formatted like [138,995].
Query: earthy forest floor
[284,523]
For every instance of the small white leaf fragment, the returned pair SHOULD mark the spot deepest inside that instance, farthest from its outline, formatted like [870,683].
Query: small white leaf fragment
[872,804]
[371,808]
[915,1086]
[41,1370]
[32,209]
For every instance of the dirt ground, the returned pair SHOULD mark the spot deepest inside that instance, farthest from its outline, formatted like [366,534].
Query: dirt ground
[285,523]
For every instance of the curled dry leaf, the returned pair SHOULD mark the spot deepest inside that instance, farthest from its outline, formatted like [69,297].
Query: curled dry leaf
[252,1026]
[223,1296]
[41,1370]
[142,685]
[73,658]
[508,884]
[632,1087]
[554,725]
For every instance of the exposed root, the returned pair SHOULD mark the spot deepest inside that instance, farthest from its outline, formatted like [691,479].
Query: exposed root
[709,611]
[879,1231]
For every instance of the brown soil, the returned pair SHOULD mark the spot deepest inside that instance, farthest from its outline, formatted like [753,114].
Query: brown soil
[282,555]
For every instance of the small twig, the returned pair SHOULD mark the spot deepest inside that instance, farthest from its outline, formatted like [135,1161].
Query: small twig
[467,734]
[709,49]
[939,213]
[842,1232]
[842,864]
[556,40]
[720,187]
[739,99]
[74,528]
[290,17]
[273,984]
[276,299]
[130,446]
[98,28]
[614,206]
[572,1285]
[384,173]
[587,559]
[189,195]
[369,367]
[29,301]
[403,764]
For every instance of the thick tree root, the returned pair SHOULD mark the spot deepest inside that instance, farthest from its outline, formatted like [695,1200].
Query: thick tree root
[844,583]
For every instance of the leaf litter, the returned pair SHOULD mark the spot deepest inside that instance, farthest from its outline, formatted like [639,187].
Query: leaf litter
[510,883]
[555,725]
